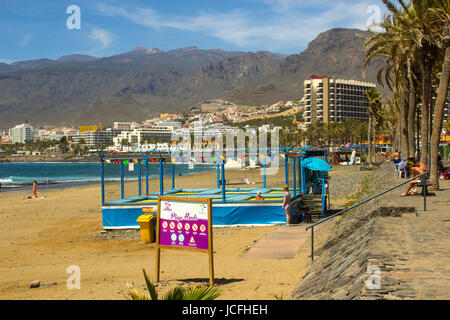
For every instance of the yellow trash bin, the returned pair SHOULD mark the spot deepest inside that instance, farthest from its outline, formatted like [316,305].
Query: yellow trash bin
[146,227]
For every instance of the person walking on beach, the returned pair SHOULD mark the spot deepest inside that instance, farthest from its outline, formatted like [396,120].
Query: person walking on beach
[396,159]
[34,192]
[287,205]
[48,184]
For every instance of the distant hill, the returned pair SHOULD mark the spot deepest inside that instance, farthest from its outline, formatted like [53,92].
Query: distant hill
[136,85]
[337,53]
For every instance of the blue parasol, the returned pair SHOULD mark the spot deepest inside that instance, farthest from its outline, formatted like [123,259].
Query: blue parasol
[316,164]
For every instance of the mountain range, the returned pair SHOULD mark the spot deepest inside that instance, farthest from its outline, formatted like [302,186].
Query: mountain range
[80,89]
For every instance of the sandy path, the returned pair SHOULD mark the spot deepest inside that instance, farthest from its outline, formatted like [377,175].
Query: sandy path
[40,238]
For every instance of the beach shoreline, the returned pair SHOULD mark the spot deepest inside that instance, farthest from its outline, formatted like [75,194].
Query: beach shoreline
[42,237]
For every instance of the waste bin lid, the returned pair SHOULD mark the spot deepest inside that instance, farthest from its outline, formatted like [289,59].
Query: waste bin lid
[145,218]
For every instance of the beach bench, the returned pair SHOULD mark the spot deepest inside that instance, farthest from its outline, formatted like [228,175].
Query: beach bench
[424,185]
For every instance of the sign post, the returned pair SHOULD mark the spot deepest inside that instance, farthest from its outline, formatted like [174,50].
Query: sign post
[186,224]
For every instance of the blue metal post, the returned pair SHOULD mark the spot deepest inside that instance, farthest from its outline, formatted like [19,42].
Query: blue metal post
[122,182]
[300,174]
[303,180]
[173,175]
[294,173]
[146,177]
[223,182]
[323,198]
[161,177]
[264,172]
[140,177]
[286,170]
[102,174]
[218,173]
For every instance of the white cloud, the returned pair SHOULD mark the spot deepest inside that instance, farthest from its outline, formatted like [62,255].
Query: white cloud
[102,36]
[285,24]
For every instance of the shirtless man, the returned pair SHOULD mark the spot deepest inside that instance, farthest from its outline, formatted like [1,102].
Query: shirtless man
[417,169]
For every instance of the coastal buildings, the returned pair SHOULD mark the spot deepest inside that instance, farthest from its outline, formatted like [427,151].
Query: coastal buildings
[161,132]
[330,99]
[84,129]
[22,133]
[97,138]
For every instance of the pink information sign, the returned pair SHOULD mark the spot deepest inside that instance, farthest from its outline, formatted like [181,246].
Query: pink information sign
[184,223]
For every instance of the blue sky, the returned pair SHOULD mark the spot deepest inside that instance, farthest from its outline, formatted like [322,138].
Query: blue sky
[32,29]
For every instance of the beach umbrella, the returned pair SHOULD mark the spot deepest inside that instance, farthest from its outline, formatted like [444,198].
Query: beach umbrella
[316,164]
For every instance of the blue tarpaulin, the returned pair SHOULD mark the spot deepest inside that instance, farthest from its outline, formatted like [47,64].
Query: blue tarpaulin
[316,164]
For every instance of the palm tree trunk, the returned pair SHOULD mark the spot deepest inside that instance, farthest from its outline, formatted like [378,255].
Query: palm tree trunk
[404,109]
[411,114]
[426,91]
[369,140]
[438,119]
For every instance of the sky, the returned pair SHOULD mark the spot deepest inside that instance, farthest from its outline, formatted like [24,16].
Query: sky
[31,29]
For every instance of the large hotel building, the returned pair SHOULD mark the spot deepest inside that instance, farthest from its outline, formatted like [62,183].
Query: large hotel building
[335,100]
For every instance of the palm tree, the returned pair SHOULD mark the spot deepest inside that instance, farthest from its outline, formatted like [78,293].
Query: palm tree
[422,23]
[390,45]
[441,12]
[177,293]
[374,98]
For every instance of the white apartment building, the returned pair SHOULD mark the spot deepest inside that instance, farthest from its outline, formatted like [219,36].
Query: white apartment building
[141,135]
[335,99]
[97,138]
[22,132]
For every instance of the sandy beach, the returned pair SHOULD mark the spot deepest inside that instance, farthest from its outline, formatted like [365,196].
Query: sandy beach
[42,237]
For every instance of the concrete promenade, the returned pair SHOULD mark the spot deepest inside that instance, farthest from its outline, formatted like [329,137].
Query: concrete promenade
[415,248]
[410,246]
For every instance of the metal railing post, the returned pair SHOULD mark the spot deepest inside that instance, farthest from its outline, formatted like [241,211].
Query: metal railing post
[312,244]
[424,192]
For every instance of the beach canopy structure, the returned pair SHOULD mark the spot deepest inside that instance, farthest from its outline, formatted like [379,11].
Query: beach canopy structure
[316,164]
[231,206]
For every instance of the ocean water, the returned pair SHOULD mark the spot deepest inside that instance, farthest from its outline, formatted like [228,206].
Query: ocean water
[22,174]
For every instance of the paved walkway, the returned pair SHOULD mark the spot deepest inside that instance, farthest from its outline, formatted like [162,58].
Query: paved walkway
[415,247]
[283,243]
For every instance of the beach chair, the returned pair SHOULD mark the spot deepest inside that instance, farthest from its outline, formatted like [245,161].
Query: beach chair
[401,173]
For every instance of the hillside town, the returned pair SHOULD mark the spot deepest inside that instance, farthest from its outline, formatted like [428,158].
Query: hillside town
[147,135]
[311,119]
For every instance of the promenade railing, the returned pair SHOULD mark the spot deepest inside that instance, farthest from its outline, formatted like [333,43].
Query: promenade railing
[424,193]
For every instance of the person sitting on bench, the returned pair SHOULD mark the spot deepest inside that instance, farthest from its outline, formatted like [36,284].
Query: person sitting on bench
[416,169]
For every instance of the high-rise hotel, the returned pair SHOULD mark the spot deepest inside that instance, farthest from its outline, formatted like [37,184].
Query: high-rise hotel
[335,100]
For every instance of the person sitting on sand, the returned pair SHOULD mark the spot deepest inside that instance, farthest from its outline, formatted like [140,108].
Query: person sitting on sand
[417,169]
[287,204]
[258,196]
[34,192]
